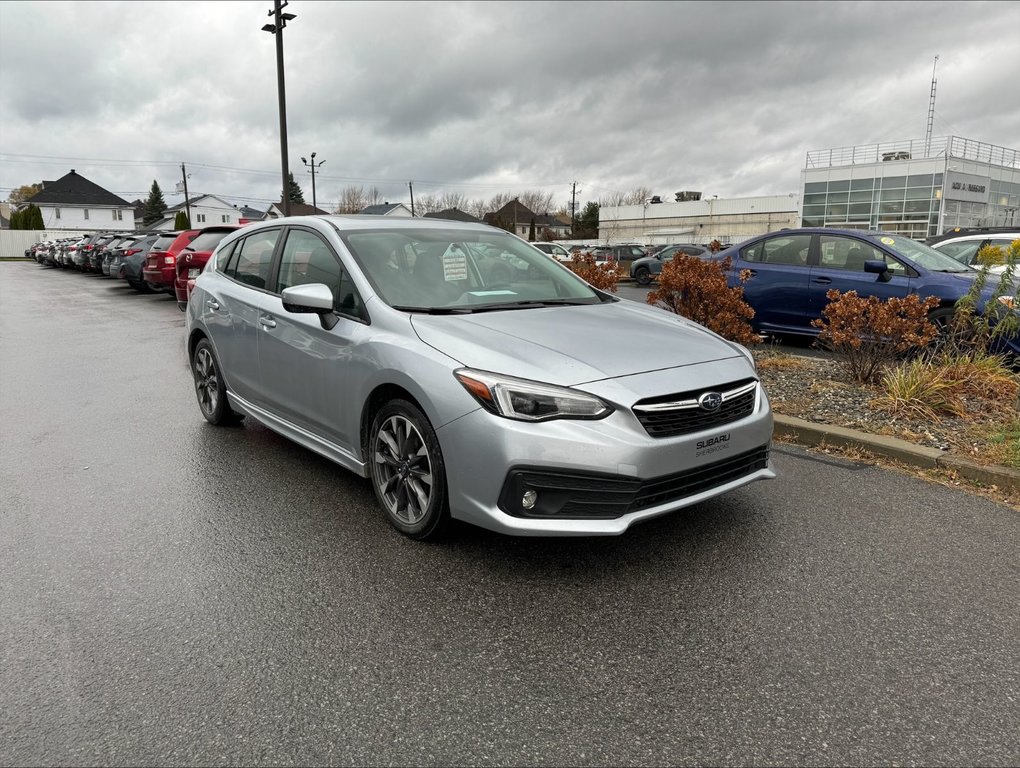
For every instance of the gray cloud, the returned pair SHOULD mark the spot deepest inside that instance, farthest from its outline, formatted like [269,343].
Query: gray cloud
[481,98]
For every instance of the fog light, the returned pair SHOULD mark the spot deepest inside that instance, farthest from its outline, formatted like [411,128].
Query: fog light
[529,499]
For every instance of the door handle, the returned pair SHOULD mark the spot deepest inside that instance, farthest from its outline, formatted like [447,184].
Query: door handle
[267,322]
[822,280]
[213,305]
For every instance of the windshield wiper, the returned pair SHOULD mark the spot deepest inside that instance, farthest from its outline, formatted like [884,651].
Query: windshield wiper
[531,303]
[435,310]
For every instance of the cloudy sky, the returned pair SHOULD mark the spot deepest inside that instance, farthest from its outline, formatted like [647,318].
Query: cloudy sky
[483,98]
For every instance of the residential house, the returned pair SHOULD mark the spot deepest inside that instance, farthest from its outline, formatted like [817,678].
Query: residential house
[517,218]
[74,202]
[296,209]
[453,214]
[206,210]
[387,209]
[247,215]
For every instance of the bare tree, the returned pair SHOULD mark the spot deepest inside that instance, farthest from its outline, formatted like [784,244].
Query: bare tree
[634,197]
[427,204]
[352,200]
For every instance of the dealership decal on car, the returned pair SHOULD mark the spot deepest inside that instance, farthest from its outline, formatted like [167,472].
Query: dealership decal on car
[712,445]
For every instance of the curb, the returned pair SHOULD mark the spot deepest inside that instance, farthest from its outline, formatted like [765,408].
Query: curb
[812,434]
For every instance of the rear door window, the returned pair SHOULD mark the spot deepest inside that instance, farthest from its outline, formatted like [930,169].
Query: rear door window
[253,257]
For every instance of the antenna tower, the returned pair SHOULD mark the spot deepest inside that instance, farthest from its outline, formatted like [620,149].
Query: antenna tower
[931,111]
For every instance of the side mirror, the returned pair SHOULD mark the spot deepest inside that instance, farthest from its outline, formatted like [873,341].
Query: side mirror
[312,298]
[879,268]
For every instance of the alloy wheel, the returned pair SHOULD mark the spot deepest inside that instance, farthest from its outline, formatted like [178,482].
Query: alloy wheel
[207,381]
[403,470]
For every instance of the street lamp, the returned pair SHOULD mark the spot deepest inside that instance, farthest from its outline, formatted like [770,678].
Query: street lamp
[313,166]
[277,29]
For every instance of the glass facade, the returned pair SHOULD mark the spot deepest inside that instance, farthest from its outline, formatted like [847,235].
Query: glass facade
[906,205]
[1002,209]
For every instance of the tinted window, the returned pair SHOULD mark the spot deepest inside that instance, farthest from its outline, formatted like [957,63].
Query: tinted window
[306,259]
[164,242]
[787,249]
[963,251]
[835,252]
[252,258]
[207,241]
[224,259]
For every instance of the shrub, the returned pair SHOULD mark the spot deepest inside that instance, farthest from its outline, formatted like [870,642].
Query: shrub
[697,289]
[715,246]
[949,384]
[603,276]
[971,332]
[869,334]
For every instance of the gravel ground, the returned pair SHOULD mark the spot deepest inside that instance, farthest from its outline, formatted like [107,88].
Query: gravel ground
[814,389]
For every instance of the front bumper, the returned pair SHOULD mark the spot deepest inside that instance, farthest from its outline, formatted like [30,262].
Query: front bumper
[594,477]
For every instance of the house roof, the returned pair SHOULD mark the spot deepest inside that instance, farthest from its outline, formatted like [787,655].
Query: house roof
[300,209]
[253,214]
[196,199]
[452,214]
[381,209]
[514,211]
[74,189]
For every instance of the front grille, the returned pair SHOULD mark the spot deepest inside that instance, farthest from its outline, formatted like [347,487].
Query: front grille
[693,481]
[680,414]
[580,496]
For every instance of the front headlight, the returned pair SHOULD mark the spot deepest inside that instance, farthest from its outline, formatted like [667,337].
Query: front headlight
[529,400]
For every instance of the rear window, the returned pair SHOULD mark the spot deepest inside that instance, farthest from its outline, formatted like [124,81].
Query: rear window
[164,242]
[207,241]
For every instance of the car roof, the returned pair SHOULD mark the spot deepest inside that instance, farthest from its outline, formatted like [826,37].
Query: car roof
[368,221]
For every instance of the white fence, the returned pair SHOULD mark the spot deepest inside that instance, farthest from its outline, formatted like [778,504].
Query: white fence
[13,242]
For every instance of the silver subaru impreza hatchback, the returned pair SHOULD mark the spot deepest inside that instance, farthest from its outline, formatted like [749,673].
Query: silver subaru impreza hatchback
[469,375]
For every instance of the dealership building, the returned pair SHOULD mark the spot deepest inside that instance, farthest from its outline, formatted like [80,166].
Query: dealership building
[913,188]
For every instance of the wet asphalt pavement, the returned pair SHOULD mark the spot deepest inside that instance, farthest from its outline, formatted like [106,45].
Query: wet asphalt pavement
[176,593]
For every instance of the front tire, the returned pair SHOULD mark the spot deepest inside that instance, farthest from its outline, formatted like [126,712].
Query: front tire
[643,276]
[209,386]
[407,470]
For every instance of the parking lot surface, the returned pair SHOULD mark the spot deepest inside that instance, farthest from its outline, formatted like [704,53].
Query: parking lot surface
[175,593]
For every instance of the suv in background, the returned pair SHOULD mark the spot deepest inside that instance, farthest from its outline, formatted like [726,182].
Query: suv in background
[964,246]
[643,270]
[558,252]
[160,270]
[193,257]
[132,261]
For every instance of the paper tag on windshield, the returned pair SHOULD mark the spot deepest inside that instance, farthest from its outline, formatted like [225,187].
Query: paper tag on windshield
[454,264]
[888,241]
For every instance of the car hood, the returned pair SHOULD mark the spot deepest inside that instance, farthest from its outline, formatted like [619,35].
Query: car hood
[574,344]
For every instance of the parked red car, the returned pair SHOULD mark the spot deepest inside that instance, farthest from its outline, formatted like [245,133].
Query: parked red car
[160,270]
[194,256]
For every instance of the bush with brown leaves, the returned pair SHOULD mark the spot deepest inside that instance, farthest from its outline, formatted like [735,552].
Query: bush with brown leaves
[697,289]
[603,276]
[870,334]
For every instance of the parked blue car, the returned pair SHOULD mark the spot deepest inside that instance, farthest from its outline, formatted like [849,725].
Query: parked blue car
[791,271]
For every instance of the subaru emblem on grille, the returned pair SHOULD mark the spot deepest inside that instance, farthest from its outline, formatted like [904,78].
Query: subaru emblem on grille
[710,401]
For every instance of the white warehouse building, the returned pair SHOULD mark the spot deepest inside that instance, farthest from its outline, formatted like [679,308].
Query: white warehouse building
[728,220]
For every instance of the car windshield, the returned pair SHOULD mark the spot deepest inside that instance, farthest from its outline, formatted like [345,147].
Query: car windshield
[922,255]
[462,270]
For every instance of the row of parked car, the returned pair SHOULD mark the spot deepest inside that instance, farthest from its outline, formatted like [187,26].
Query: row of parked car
[149,261]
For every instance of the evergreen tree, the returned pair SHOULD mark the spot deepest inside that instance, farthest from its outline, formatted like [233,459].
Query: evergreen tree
[588,222]
[34,218]
[531,232]
[181,221]
[16,218]
[155,205]
[294,193]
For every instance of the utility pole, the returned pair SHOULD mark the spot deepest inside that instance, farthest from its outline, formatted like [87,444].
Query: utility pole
[573,209]
[411,190]
[277,30]
[187,205]
[313,165]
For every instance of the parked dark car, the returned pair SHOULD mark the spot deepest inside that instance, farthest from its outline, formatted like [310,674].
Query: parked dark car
[92,260]
[160,271]
[115,253]
[132,262]
[194,256]
[792,270]
[643,270]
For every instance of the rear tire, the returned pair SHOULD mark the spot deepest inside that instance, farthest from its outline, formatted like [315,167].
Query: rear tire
[643,276]
[209,386]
